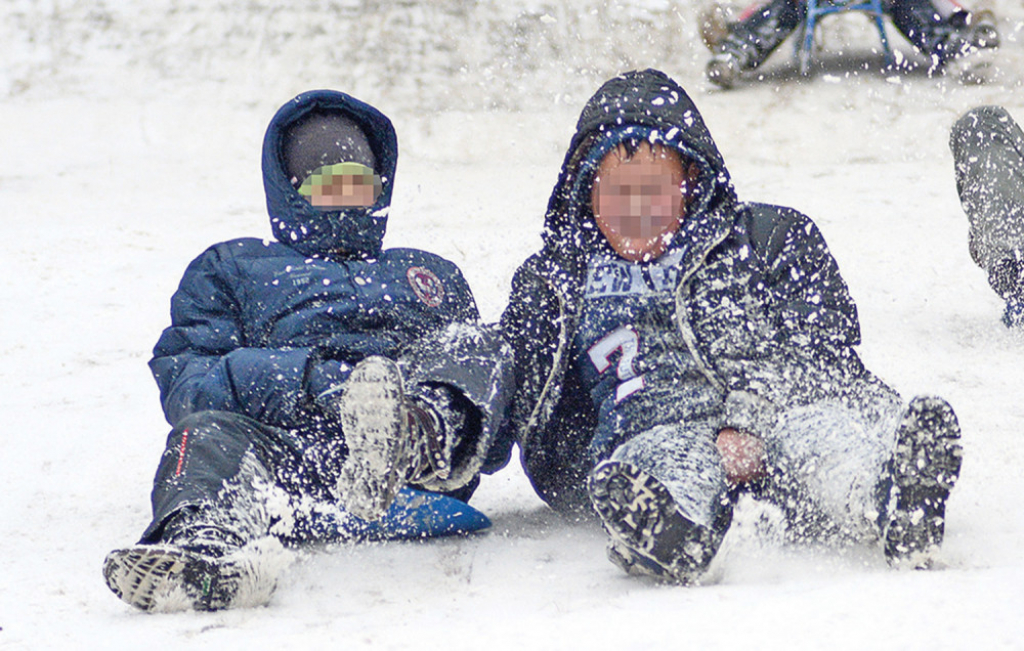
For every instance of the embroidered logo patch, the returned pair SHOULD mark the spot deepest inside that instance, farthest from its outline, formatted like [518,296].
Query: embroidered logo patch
[426,285]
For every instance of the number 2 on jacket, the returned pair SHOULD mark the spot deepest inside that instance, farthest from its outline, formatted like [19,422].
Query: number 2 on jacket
[627,342]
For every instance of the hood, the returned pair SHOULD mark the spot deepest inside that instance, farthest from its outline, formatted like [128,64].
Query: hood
[646,105]
[350,231]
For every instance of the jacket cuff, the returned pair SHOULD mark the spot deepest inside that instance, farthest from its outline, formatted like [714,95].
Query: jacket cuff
[326,379]
[750,413]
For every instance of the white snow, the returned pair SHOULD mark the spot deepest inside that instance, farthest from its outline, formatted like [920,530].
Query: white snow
[130,134]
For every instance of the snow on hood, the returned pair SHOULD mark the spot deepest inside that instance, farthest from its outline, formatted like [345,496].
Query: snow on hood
[351,231]
[650,105]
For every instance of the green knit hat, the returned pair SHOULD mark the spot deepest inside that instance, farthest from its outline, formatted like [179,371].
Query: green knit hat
[325,176]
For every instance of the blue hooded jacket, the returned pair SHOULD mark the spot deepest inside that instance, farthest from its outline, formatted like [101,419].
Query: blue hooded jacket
[263,328]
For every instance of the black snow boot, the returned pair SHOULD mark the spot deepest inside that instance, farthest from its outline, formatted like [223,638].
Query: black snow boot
[649,534]
[195,566]
[925,467]
[165,577]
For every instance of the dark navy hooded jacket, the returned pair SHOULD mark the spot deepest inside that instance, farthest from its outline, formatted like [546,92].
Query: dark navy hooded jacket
[261,328]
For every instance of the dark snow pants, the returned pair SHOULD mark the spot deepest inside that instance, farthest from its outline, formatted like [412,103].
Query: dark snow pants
[216,460]
[988,157]
[252,479]
[763,28]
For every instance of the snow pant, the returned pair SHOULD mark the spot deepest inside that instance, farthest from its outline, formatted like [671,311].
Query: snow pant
[829,467]
[686,460]
[232,472]
[763,28]
[988,157]
[251,479]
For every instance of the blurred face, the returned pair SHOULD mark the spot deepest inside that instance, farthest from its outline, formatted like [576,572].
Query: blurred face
[640,201]
[344,190]
[342,185]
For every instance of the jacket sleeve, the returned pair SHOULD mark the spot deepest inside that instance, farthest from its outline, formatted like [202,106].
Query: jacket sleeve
[810,301]
[202,361]
[527,325]
[550,416]
[802,337]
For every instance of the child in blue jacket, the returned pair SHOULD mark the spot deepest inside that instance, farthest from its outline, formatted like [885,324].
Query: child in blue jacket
[674,345]
[308,373]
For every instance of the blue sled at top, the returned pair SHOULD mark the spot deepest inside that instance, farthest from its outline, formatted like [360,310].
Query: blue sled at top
[414,514]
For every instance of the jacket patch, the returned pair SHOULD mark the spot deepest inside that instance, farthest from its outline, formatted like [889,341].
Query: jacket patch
[426,285]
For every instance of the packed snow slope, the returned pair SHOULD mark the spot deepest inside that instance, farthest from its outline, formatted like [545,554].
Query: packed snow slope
[130,133]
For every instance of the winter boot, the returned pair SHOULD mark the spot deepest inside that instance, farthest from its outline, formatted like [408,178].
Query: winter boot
[969,53]
[981,30]
[729,58]
[649,534]
[925,466]
[714,26]
[392,439]
[208,572]
[1013,315]
[732,58]
[723,70]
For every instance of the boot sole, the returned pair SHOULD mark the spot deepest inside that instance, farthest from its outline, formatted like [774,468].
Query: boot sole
[649,535]
[926,466]
[165,578]
[371,420]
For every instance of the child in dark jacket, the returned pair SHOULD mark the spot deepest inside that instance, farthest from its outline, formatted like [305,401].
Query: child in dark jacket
[988,153]
[674,346]
[315,374]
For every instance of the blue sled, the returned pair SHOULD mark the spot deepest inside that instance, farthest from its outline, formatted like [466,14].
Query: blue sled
[414,514]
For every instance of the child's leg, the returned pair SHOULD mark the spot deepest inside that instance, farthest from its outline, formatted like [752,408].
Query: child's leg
[988,153]
[214,497]
[922,25]
[464,374]
[687,462]
[428,419]
[663,499]
[223,474]
[761,29]
[830,468]
[942,29]
[746,44]
[216,471]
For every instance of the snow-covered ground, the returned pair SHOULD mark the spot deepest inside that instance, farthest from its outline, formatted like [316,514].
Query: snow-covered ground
[130,142]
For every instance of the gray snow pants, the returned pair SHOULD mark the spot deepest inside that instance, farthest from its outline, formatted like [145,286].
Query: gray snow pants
[828,464]
[988,156]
